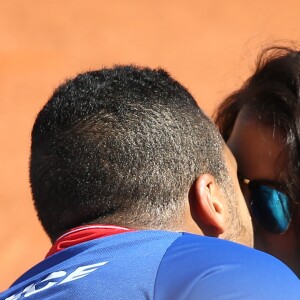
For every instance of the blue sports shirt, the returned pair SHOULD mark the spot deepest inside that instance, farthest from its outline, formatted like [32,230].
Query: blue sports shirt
[157,265]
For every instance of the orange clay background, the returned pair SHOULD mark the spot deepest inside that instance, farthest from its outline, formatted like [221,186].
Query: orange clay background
[210,46]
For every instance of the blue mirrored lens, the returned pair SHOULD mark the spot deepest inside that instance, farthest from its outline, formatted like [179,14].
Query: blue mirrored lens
[270,208]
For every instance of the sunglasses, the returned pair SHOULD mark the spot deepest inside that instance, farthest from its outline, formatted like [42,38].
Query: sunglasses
[270,207]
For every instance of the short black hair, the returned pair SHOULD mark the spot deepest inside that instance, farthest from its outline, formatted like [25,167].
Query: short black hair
[272,94]
[119,145]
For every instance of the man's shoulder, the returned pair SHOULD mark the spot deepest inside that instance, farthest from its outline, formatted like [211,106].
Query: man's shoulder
[97,266]
[218,269]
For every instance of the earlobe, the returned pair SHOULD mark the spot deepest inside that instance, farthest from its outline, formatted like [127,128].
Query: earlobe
[209,204]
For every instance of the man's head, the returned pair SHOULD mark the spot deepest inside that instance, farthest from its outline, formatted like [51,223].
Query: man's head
[127,145]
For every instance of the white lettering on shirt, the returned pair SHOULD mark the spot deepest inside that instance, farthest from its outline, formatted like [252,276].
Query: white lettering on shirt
[50,281]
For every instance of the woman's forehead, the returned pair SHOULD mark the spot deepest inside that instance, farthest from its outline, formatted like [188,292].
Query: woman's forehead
[257,147]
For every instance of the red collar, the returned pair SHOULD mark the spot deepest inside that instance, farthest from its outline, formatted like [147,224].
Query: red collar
[83,234]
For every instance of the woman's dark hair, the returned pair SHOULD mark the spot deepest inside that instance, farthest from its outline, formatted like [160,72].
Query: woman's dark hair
[272,94]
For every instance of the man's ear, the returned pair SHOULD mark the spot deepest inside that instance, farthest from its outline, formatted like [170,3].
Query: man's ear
[209,204]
